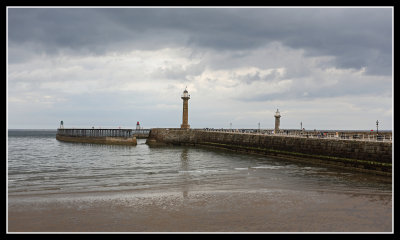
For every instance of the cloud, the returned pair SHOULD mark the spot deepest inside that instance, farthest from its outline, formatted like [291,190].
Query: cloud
[357,38]
[238,64]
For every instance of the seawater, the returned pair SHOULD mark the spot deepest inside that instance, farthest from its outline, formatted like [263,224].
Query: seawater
[37,163]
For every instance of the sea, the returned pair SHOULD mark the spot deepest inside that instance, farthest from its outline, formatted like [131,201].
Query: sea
[55,186]
[38,164]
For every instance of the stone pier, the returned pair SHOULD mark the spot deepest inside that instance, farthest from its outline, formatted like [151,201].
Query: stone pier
[372,157]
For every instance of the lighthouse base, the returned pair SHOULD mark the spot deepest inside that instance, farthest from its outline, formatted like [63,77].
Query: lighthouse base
[185,126]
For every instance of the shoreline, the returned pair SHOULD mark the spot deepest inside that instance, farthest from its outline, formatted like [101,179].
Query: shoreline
[229,210]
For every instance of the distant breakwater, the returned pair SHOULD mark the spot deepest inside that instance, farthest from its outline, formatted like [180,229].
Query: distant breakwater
[364,156]
[97,136]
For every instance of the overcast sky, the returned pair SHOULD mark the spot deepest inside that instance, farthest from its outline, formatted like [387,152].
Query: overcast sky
[329,68]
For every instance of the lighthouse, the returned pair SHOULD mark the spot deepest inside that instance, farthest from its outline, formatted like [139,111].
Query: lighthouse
[277,120]
[185,116]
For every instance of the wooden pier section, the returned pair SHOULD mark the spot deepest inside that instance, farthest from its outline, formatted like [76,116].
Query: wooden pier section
[101,136]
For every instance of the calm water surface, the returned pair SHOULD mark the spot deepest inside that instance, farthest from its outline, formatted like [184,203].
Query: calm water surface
[40,164]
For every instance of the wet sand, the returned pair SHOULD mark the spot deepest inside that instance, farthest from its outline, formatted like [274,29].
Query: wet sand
[203,211]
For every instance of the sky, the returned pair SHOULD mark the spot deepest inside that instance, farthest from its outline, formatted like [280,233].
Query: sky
[327,68]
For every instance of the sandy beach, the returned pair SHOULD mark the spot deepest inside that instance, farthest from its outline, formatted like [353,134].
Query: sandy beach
[202,211]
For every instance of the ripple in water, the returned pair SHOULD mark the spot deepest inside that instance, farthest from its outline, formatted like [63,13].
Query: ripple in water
[38,163]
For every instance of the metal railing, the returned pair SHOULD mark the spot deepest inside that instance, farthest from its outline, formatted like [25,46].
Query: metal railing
[91,132]
[309,134]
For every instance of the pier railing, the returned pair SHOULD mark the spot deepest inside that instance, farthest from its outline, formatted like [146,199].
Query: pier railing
[356,136]
[338,135]
[107,132]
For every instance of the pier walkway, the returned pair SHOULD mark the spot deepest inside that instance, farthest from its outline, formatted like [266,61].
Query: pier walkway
[106,132]
[384,136]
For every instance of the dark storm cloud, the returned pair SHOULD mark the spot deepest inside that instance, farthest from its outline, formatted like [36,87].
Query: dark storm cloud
[52,30]
[355,37]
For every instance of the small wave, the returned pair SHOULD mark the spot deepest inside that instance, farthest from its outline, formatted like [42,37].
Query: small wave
[268,167]
[203,171]
[190,171]
[17,172]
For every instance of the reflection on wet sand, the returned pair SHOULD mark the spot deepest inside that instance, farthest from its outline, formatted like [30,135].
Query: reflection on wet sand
[204,211]
[185,169]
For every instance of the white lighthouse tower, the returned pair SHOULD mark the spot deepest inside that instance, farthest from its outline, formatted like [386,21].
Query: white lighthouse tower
[277,120]
[185,115]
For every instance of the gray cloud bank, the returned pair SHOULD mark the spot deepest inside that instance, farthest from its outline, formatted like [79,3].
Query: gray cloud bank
[134,62]
[355,37]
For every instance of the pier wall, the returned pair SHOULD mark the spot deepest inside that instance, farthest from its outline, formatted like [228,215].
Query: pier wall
[365,156]
[98,136]
[99,140]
